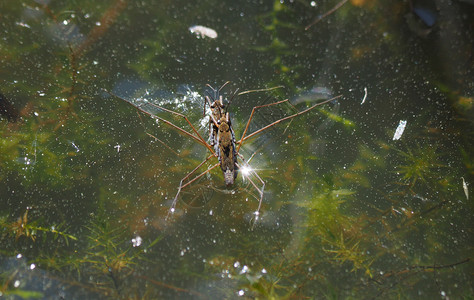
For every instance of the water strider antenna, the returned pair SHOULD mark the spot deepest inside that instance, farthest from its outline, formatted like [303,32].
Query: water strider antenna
[230,100]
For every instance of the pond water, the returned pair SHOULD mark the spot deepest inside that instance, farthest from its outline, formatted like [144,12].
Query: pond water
[366,196]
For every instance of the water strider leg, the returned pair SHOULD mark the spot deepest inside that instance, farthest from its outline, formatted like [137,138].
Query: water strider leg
[151,135]
[163,143]
[260,190]
[260,90]
[198,138]
[251,116]
[182,186]
[244,138]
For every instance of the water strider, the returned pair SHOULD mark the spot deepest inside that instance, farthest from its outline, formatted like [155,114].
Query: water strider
[221,134]
[222,143]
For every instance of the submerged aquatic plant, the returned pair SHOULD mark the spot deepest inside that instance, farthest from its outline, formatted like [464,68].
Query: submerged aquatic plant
[420,164]
[31,229]
[349,250]
[107,260]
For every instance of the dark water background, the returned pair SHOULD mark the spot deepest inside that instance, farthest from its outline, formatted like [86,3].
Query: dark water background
[348,212]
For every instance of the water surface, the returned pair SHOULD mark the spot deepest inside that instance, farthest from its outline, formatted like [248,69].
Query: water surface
[347,212]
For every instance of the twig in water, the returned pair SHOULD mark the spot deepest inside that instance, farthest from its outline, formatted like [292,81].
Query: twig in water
[319,18]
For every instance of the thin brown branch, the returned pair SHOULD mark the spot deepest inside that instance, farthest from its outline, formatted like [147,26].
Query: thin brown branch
[319,18]
[172,287]
[108,18]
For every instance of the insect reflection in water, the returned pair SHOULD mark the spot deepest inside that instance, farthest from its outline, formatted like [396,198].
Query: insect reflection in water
[222,143]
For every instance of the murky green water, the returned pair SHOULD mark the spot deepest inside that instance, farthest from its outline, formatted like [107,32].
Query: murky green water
[348,211]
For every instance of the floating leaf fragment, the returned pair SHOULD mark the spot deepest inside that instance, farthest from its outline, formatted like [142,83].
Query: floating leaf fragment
[464,187]
[399,130]
[202,31]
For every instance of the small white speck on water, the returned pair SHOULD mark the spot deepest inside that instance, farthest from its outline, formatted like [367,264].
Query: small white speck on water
[244,270]
[137,241]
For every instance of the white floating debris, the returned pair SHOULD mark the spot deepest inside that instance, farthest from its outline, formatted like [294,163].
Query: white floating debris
[244,270]
[22,24]
[137,241]
[464,187]
[400,129]
[365,96]
[75,147]
[202,31]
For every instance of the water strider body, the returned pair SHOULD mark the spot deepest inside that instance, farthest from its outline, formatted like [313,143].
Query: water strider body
[226,150]
[222,137]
